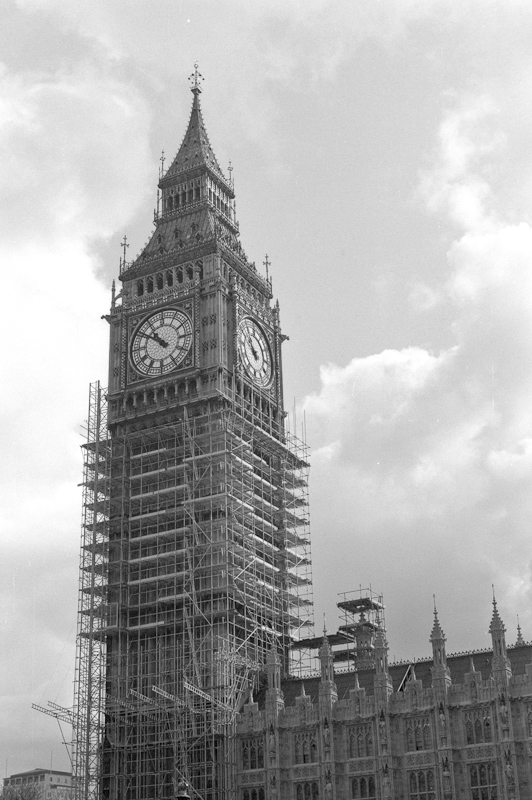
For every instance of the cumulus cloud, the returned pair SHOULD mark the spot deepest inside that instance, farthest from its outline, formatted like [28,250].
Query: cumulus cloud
[410,440]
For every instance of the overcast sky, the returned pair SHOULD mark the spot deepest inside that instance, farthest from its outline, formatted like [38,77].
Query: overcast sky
[381,153]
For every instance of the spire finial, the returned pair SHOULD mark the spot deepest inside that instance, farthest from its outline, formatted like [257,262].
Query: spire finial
[162,160]
[435,609]
[324,625]
[520,639]
[230,171]
[124,244]
[195,79]
[267,264]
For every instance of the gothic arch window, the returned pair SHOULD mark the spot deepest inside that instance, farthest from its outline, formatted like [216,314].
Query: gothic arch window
[478,727]
[197,193]
[260,756]
[199,269]
[306,751]
[421,785]
[190,273]
[483,780]
[427,743]
[297,751]
[169,277]
[313,750]
[149,283]
[299,792]
[140,288]
[363,788]
[159,282]
[180,275]
[245,795]
[352,746]
[315,791]
[245,756]
[307,792]
[170,203]
[261,793]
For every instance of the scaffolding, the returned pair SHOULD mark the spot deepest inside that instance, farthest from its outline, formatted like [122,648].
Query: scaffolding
[89,682]
[195,564]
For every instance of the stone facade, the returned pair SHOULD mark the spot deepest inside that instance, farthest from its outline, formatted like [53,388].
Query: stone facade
[452,727]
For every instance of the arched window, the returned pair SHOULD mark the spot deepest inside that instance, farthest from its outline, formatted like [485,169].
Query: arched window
[252,757]
[299,792]
[180,275]
[170,203]
[352,746]
[197,193]
[140,288]
[260,756]
[426,736]
[297,752]
[410,738]
[307,792]
[369,743]
[315,792]
[245,757]
[478,730]
[418,737]
[487,729]
[149,283]
[313,750]
[159,281]
[190,274]
[169,277]
[470,738]
[306,752]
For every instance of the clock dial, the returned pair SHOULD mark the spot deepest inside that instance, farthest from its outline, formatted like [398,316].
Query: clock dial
[162,342]
[255,352]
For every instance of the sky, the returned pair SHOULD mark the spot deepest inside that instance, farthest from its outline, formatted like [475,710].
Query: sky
[381,155]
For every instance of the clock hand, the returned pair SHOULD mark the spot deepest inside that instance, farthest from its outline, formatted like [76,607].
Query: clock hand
[156,338]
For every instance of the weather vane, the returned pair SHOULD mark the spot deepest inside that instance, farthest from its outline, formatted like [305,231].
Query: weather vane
[195,79]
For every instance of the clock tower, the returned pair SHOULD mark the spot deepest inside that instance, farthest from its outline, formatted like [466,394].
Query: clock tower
[208,563]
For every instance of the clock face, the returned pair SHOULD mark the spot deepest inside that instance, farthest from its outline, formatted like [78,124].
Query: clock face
[255,352]
[162,342]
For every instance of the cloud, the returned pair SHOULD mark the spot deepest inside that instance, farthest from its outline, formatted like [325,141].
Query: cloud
[414,444]
[74,146]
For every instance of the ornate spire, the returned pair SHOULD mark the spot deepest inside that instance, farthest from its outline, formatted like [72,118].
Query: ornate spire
[496,623]
[195,150]
[501,668]
[520,639]
[437,634]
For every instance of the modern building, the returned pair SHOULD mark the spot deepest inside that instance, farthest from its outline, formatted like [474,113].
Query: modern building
[195,557]
[40,784]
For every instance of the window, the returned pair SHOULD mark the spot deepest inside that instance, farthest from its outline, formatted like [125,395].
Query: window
[418,735]
[253,794]
[307,791]
[190,274]
[305,748]
[363,788]
[361,741]
[169,278]
[140,288]
[150,285]
[252,754]
[483,780]
[170,203]
[478,726]
[421,785]
[159,281]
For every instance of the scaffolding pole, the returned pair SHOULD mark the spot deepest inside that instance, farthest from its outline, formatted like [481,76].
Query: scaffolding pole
[89,683]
